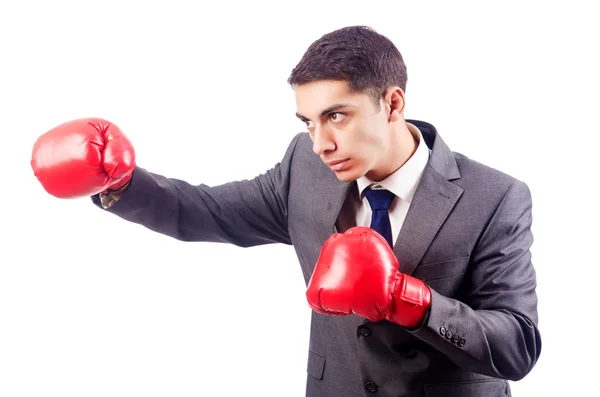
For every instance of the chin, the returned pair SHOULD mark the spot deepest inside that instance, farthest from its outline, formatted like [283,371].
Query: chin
[347,176]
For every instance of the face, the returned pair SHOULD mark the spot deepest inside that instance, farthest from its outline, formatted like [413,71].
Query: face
[349,133]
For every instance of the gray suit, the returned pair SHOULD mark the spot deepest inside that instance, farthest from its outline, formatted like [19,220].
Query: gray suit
[467,235]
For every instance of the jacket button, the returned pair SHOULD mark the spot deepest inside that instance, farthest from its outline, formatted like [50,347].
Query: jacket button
[364,331]
[448,334]
[455,338]
[371,387]
[442,331]
[462,342]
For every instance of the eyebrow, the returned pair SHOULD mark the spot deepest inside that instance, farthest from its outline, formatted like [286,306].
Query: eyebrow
[330,109]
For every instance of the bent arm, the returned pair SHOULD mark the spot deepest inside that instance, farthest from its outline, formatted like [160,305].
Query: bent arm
[493,330]
[244,213]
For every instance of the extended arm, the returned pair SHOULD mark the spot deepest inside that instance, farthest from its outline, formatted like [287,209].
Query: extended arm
[244,213]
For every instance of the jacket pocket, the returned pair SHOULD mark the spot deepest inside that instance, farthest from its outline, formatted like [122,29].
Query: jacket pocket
[316,365]
[441,270]
[478,388]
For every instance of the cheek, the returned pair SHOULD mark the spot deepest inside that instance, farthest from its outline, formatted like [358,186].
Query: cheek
[352,142]
[361,139]
[370,139]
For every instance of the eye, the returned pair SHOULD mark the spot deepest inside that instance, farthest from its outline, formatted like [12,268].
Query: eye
[309,124]
[336,117]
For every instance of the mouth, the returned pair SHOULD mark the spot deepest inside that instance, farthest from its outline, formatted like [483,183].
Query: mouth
[338,165]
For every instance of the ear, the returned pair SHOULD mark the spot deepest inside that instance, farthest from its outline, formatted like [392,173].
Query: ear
[394,101]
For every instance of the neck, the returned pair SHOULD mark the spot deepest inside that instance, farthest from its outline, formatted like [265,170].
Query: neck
[400,147]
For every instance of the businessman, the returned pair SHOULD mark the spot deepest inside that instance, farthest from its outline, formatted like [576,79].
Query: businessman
[416,258]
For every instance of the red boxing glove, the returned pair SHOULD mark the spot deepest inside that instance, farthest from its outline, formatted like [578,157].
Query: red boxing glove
[82,158]
[357,273]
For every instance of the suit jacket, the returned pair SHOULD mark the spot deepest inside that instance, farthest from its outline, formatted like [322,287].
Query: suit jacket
[467,235]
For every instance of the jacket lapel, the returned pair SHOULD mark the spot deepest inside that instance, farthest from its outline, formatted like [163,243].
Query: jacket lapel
[328,199]
[433,200]
[432,203]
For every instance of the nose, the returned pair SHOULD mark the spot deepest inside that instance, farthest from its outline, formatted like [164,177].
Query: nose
[322,141]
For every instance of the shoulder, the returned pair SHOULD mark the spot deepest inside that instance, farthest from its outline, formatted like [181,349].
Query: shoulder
[301,148]
[462,170]
[474,169]
[487,184]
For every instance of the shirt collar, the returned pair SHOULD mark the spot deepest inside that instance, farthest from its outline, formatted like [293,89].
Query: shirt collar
[403,182]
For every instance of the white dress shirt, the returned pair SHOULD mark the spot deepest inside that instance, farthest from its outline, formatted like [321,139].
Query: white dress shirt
[403,183]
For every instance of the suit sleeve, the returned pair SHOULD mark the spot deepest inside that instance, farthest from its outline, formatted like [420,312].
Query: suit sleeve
[244,213]
[493,330]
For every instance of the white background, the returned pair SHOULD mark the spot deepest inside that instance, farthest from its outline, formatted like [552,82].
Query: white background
[91,305]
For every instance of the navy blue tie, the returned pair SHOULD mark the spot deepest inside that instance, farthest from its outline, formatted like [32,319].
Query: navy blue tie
[380,201]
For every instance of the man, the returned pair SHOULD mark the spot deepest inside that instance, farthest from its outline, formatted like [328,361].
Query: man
[416,258]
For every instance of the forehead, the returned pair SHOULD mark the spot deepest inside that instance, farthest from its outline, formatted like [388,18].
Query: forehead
[312,98]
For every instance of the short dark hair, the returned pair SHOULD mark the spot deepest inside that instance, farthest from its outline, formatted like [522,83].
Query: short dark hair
[367,60]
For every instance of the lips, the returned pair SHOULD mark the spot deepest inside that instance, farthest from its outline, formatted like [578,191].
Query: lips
[332,163]
[338,165]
